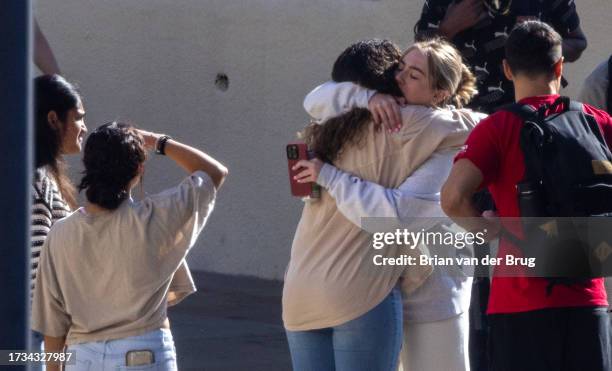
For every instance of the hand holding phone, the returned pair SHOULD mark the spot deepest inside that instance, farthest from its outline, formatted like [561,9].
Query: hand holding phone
[296,152]
[309,170]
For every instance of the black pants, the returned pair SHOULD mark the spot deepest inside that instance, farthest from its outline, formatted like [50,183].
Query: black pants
[479,327]
[480,297]
[559,339]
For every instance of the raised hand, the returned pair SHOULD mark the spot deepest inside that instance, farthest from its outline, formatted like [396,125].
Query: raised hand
[461,16]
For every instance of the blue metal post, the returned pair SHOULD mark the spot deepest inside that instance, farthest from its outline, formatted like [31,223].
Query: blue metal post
[15,171]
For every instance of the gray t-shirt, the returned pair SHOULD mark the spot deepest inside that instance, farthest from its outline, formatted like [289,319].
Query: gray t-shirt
[108,276]
[594,90]
[595,93]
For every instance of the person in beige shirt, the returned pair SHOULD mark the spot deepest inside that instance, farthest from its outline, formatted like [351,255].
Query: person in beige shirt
[342,311]
[109,270]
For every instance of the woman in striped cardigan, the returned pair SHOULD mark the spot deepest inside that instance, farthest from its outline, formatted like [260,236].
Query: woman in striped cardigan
[59,130]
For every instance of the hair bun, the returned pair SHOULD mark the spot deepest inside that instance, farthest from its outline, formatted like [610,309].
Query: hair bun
[466,89]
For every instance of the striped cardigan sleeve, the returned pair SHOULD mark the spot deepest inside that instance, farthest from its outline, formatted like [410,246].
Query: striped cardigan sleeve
[48,206]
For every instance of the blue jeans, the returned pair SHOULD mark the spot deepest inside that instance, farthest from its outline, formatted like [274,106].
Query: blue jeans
[36,345]
[371,342]
[110,355]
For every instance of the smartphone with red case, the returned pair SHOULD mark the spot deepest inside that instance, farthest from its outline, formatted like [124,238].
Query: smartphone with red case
[297,151]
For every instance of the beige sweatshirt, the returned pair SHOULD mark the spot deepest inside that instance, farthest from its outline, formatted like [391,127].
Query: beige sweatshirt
[108,276]
[331,278]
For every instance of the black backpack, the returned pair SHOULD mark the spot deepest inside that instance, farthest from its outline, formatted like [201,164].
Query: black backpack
[565,198]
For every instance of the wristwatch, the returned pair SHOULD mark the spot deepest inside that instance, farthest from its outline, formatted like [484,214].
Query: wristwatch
[160,146]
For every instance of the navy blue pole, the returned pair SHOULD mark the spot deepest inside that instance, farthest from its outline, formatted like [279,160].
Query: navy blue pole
[15,173]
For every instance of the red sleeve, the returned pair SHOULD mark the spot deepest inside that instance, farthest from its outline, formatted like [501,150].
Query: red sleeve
[603,119]
[482,149]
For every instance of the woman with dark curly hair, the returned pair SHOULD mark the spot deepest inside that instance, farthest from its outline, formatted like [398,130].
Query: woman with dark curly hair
[106,270]
[341,302]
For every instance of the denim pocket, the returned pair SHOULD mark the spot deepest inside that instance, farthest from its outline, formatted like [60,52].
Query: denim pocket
[152,366]
[79,365]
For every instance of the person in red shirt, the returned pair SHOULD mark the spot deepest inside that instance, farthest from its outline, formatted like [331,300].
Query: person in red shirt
[567,328]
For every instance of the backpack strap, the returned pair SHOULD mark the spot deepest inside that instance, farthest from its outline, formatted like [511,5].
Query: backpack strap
[511,237]
[574,106]
[524,111]
[609,101]
[568,104]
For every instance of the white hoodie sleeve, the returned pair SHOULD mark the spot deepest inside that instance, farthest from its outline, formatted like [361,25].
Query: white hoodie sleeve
[412,205]
[332,99]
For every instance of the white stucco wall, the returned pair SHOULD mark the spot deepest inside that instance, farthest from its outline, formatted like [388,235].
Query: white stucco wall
[155,61]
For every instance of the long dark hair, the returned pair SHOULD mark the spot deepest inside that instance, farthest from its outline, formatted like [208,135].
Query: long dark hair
[113,155]
[371,64]
[53,93]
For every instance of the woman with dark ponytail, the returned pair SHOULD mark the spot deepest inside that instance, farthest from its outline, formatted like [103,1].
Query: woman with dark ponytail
[109,270]
[59,128]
